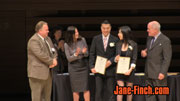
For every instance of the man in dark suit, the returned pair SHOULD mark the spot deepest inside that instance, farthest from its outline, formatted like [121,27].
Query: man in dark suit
[104,45]
[158,53]
[41,57]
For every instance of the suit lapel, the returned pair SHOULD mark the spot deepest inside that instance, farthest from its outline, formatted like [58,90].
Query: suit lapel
[110,39]
[101,43]
[43,43]
[149,42]
[157,41]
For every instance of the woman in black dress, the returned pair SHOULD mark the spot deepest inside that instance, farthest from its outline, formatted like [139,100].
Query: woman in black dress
[58,41]
[76,52]
[126,47]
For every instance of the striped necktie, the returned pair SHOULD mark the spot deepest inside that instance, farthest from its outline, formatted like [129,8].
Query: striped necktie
[105,43]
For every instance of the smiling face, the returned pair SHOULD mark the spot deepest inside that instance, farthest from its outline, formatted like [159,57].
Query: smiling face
[76,34]
[44,31]
[105,29]
[120,35]
[152,29]
[58,34]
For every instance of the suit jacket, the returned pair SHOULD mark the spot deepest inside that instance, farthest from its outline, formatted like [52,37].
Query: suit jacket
[158,56]
[70,50]
[97,49]
[39,57]
[131,51]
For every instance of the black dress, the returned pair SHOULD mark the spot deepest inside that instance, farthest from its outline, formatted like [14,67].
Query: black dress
[122,77]
[62,61]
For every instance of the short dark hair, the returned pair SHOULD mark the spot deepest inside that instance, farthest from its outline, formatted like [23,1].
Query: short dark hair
[105,22]
[54,29]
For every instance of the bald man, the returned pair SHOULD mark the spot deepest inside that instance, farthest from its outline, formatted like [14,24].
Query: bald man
[158,54]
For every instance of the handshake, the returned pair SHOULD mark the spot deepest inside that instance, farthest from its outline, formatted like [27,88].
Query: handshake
[54,63]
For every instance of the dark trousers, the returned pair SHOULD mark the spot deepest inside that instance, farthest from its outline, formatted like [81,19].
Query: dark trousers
[156,83]
[104,88]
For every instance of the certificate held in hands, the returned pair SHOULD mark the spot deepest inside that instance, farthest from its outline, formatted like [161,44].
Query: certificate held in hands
[123,65]
[100,64]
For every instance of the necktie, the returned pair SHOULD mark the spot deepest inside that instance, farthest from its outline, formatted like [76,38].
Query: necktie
[48,47]
[152,41]
[105,43]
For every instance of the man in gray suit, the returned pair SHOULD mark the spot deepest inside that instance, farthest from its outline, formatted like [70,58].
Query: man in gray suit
[41,57]
[158,52]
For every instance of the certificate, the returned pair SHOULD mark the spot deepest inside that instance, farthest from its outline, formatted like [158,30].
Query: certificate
[123,65]
[100,64]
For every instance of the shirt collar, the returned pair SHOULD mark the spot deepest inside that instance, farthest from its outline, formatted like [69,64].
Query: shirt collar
[40,36]
[155,37]
[106,36]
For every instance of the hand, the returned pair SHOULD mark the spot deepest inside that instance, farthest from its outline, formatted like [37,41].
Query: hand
[128,72]
[117,58]
[93,70]
[78,50]
[61,45]
[161,76]
[108,63]
[54,63]
[84,50]
[144,53]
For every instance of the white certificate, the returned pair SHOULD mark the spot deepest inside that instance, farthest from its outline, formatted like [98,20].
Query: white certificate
[100,64]
[123,65]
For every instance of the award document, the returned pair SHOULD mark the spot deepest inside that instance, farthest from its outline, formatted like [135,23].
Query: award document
[100,64]
[123,65]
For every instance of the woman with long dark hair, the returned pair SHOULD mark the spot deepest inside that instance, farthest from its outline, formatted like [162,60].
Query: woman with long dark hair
[126,47]
[76,51]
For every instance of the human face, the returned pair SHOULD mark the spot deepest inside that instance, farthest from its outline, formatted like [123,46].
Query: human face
[151,31]
[105,29]
[58,34]
[76,35]
[44,31]
[120,35]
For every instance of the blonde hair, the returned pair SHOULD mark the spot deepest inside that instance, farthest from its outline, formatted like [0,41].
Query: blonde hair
[39,25]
